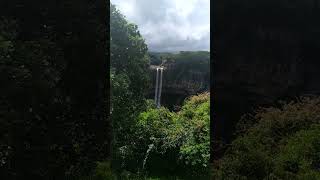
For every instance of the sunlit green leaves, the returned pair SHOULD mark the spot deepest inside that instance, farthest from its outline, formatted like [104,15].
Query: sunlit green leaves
[129,81]
[184,134]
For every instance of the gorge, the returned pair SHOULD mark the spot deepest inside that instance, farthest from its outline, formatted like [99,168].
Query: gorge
[184,74]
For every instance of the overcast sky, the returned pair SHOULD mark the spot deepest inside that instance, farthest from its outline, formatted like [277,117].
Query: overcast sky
[170,25]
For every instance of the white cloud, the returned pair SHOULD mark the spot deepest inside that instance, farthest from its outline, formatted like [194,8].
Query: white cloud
[170,25]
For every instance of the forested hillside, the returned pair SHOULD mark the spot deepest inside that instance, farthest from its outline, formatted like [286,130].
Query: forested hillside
[186,73]
[152,142]
[58,119]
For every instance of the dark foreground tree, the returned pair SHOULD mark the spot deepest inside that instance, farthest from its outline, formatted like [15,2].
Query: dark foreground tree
[275,143]
[54,99]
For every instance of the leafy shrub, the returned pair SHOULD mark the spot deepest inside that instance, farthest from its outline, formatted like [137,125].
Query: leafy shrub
[173,143]
[299,158]
[276,143]
[195,118]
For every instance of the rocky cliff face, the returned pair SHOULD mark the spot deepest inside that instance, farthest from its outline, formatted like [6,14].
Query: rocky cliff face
[182,78]
[264,51]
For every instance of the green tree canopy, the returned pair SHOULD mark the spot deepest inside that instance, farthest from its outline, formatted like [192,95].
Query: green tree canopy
[129,80]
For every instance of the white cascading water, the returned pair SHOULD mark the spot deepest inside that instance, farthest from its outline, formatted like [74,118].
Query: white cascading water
[160,87]
[156,90]
[157,95]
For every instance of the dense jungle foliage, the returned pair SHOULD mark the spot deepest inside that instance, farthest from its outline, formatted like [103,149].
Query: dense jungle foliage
[165,145]
[275,143]
[147,141]
[54,101]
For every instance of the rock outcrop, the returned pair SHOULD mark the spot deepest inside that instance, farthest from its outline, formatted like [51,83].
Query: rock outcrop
[182,78]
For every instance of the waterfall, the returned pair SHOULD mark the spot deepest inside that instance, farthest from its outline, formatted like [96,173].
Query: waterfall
[156,90]
[151,146]
[160,87]
[157,95]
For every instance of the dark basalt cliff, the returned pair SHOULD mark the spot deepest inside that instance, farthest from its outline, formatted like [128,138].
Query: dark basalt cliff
[264,51]
[184,74]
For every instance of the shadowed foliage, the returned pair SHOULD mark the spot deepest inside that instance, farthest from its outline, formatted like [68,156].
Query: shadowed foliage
[54,99]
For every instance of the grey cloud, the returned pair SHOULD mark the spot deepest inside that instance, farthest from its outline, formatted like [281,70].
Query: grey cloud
[171,44]
[170,25]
